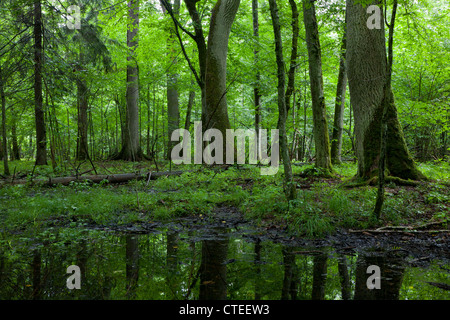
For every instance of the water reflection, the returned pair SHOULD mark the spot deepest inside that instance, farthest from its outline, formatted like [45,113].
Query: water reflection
[217,264]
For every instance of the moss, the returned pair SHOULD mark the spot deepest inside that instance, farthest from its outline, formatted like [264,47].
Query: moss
[398,159]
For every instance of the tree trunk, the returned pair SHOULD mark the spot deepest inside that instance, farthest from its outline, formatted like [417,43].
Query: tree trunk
[15,144]
[366,63]
[256,89]
[290,187]
[201,48]
[82,101]
[187,122]
[41,139]
[131,149]
[293,63]
[336,138]
[5,140]
[222,18]
[173,108]
[321,138]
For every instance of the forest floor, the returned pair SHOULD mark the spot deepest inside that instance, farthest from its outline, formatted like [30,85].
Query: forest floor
[324,212]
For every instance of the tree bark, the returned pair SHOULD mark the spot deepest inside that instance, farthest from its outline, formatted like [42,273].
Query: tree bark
[187,122]
[4,138]
[290,187]
[294,49]
[199,39]
[131,149]
[82,102]
[173,107]
[256,89]
[321,137]
[339,106]
[41,138]
[366,63]
[222,18]
[15,144]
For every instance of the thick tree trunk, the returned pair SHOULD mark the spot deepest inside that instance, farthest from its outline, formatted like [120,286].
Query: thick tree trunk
[366,67]
[336,138]
[290,187]
[131,149]
[41,138]
[321,138]
[222,18]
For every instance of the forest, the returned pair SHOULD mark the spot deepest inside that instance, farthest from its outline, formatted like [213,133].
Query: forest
[224,149]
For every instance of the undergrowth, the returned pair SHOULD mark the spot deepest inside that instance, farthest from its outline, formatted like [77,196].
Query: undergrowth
[321,207]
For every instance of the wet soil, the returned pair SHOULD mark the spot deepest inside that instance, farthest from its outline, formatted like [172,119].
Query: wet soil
[421,247]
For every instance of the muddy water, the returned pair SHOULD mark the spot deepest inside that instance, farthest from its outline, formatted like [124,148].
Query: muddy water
[186,260]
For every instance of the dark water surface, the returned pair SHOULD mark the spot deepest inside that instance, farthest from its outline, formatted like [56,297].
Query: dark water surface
[186,260]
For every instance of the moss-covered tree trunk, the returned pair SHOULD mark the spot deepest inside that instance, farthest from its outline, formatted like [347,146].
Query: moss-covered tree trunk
[321,136]
[336,137]
[366,68]
[290,187]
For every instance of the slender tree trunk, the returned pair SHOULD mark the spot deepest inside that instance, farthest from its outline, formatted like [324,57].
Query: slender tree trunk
[41,139]
[321,138]
[201,49]
[5,140]
[339,106]
[131,150]
[15,144]
[187,122]
[366,63]
[294,49]
[222,18]
[387,100]
[256,89]
[290,187]
[82,102]
[173,108]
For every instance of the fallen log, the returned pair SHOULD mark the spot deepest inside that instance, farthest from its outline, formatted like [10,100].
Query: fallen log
[111,178]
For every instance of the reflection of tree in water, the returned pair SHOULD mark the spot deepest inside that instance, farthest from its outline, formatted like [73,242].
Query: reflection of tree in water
[391,268]
[172,262]
[132,265]
[213,269]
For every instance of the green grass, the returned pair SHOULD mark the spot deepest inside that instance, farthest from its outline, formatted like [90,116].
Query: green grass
[322,206]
